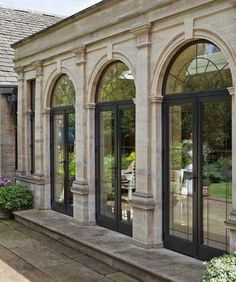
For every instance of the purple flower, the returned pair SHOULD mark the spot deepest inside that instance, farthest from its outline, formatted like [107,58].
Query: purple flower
[4,181]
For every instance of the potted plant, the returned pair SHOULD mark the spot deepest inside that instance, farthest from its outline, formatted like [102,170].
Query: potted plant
[221,269]
[14,197]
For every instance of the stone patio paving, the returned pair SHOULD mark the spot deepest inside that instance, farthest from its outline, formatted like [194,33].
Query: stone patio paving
[27,255]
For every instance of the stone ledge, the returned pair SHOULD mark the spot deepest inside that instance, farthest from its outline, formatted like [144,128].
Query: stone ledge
[30,179]
[114,249]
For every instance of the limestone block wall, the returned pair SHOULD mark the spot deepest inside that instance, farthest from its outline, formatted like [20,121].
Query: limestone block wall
[7,139]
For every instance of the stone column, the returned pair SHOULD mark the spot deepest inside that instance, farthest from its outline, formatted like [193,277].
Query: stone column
[143,200]
[80,185]
[231,222]
[39,140]
[90,141]
[20,123]
[156,164]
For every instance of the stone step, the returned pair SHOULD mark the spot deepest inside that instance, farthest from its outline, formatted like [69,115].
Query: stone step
[114,249]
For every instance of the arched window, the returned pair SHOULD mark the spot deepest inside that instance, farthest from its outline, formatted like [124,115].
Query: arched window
[199,67]
[116,84]
[63,93]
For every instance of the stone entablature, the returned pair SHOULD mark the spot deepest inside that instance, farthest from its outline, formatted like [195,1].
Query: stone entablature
[112,33]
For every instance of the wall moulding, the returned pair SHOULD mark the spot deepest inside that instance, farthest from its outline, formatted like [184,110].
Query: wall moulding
[156,99]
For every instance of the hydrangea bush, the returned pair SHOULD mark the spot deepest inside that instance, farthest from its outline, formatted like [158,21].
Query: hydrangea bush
[222,269]
[4,181]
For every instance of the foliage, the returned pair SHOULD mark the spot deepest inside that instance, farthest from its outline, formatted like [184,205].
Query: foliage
[181,154]
[64,93]
[219,170]
[116,84]
[15,196]
[4,181]
[222,269]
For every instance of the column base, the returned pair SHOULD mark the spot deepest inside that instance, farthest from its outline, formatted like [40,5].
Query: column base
[80,192]
[230,224]
[143,219]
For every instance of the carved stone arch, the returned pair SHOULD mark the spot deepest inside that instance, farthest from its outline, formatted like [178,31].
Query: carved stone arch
[53,77]
[176,44]
[101,64]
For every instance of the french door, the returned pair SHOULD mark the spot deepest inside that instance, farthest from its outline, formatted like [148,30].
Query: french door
[62,159]
[197,173]
[115,165]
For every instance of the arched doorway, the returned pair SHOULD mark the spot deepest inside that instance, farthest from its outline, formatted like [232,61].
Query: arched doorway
[115,148]
[62,145]
[198,151]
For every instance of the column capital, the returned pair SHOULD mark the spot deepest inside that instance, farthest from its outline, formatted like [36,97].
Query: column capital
[46,111]
[90,106]
[20,73]
[142,33]
[27,112]
[38,66]
[231,90]
[156,99]
[80,53]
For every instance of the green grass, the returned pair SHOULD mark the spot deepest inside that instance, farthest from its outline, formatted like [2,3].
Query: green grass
[221,190]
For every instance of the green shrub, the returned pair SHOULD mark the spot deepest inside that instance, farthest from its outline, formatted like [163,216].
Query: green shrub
[15,196]
[222,269]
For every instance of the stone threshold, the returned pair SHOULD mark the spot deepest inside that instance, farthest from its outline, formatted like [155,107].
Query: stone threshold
[114,249]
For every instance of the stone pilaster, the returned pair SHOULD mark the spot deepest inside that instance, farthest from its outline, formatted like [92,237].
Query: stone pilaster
[142,200]
[80,188]
[156,163]
[39,138]
[20,122]
[46,158]
[231,222]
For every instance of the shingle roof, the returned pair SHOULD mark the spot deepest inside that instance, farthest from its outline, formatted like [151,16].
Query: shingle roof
[14,26]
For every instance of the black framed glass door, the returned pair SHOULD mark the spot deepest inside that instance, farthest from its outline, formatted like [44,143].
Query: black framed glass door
[115,165]
[198,169]
[62,159]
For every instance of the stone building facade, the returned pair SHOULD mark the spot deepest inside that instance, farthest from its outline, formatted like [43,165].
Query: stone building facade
[172,202]
[15,25]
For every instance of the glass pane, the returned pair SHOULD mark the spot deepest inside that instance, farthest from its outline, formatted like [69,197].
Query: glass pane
[59,154]
[199,67]
[63,93]
[127,149]
[71,154]
[181,170]
[217,172]
[117,83]
[107,164]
